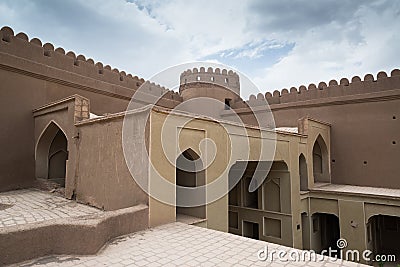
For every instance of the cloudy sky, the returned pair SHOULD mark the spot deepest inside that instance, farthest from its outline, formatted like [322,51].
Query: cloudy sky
[277,44]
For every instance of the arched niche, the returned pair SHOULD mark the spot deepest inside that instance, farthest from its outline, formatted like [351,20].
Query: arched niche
[320,161]
[190,173]
[52,154]
[303,173]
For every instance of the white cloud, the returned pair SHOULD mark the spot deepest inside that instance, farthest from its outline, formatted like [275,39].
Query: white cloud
[332,52]
[330,39]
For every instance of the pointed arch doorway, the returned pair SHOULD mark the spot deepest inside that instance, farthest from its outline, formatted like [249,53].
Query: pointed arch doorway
[52,154]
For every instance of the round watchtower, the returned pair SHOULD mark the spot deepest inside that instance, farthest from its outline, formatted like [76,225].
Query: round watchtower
[222,85]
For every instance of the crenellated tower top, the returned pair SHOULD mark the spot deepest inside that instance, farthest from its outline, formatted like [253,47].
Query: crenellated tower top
[224,78]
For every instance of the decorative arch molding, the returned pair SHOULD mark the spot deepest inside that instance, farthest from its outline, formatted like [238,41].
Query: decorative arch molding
[44,130]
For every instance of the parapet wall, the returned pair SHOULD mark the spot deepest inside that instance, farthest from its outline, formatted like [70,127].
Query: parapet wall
[33,50]
[222,77]
[344,87]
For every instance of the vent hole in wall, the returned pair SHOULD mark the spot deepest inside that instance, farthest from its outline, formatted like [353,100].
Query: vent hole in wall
[365,162]
[393,142]
[394,117]
[333,160]
[6,39]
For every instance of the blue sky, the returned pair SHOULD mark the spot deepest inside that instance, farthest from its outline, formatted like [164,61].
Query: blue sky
[277,44]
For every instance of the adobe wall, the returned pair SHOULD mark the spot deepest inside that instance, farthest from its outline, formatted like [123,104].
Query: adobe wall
[103,179]
[33,75]
[365,132]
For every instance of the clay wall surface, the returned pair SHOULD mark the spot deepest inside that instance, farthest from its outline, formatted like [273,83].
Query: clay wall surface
[33,74]
[103,179]
[364,116]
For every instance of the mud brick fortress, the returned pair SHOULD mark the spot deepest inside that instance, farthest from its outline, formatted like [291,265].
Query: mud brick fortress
[335,172]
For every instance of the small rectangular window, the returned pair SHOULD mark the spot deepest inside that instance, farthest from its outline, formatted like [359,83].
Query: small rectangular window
[227,103]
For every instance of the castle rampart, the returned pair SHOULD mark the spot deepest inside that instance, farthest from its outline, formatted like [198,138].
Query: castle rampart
[220,77]
[344,87]
[34,51]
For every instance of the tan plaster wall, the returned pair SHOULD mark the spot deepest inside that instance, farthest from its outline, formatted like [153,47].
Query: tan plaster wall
[64,115]
[322,205]
[103,178]
[360,132]
[191,135]
[352,226]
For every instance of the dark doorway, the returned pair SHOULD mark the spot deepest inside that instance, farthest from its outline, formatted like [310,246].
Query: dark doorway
[325,232]
[251,230]
[189,173]
[383,235]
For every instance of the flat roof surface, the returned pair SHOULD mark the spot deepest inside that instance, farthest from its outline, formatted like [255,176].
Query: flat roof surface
[179,244]
[354,189]
[29,206]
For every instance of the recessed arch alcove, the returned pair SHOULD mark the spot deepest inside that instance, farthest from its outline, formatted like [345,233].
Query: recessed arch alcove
[320,161]
[303,173]
[190,174]
[52,154]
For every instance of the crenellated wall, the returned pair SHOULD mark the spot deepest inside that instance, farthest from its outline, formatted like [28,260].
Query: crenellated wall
[220,77]
[34,50]
[334,88]
[33,74]
[364,115]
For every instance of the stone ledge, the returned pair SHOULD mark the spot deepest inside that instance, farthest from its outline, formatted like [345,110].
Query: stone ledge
[80,235]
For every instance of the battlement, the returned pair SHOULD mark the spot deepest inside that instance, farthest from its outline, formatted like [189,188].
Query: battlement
[33,50]
[344,87]
[20,45]
[220,77]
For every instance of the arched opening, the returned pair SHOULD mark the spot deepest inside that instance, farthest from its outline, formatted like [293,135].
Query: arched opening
[383,233]
[320,161]
[190,174]
[52,155]
[303,173]
[259,194]
[272,195]
[325,231]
